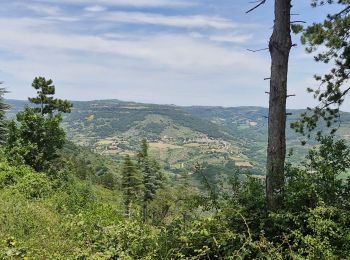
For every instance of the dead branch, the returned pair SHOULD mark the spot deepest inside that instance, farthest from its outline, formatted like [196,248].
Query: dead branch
[264,49]
[259,4]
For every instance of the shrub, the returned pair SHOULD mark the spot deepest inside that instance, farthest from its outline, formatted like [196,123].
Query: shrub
[34,185]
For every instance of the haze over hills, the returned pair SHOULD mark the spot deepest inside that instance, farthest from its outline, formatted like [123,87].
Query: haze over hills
[179,136]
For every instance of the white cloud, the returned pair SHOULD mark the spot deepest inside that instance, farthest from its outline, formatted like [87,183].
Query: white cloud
[229,38]
[41,8]
[98,49]
[95,8]
[196,35]
[176,66]
[174,51]
[195,21]
[63,18]
[132,3]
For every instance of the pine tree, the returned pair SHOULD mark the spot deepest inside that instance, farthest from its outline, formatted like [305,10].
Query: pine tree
[36,135]
[131,184]
[152,177]
[279,46]
[330,41]
[45,100]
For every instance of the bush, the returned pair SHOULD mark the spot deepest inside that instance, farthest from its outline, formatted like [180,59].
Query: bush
[10,175]
[34,185]
[23,179]
[129,239]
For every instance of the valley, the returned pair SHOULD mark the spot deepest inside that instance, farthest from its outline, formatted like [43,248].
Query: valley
[180,137]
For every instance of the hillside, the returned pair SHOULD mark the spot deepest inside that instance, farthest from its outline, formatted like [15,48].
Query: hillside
[250,124]
[179,136]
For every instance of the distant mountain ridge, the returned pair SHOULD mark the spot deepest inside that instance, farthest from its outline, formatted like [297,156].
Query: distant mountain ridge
[178,136]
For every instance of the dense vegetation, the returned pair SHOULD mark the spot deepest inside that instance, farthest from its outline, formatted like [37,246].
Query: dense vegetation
[62,201]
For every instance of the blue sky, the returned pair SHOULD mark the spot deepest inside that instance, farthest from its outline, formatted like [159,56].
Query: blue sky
[159,51]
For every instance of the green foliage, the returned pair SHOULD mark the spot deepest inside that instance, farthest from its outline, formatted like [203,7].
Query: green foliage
[35,139]
[11,249]
[316,203]
[128,239]
[47,104]
[152,177]
[89,166]
[174,202]
[326,234]
[208,238]
[37,216]
[319,179]
[297,28]
[22,179]
[332,38]
[34,185]
[154,128]
[131,184]
[36,136]
[78,219]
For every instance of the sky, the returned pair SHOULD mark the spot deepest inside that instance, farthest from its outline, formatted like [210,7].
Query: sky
[183,52]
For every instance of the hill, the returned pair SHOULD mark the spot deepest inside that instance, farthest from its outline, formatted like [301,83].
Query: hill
[179,136]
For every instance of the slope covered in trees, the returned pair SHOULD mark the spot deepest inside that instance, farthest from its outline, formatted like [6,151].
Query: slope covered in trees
[181,138]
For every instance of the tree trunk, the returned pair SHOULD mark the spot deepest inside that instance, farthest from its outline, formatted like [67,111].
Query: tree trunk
[279,46]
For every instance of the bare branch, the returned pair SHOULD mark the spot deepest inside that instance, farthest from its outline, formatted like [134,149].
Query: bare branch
[297,22]
[259,4]
[346,10]
[264,49]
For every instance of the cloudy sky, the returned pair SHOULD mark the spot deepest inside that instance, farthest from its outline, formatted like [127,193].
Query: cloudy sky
[185,52]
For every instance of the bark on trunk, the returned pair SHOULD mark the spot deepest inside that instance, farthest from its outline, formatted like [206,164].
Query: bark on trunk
[279,46]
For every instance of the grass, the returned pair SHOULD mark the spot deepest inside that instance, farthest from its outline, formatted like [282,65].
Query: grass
[104,142]
[162,146]
[243,164]
[196,145]
[90,118]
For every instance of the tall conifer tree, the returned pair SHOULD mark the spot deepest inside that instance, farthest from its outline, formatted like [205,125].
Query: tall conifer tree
[131,184]
[37,135]
[279,46]
[151,176]
[45,100]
